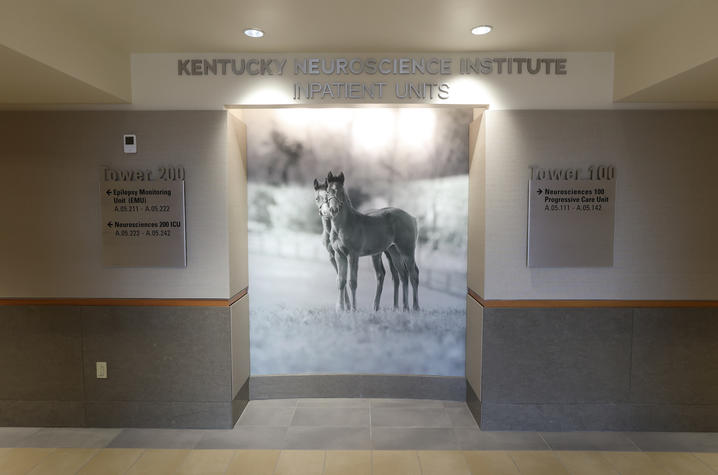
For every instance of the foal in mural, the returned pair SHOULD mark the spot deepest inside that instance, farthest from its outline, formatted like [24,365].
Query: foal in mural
[329,239]
[390,230]
[320,199]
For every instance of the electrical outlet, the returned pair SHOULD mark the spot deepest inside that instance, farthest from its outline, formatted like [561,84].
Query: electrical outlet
[101,367]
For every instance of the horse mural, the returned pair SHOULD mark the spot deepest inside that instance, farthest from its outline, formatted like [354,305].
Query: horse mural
[390,230]
[329,239]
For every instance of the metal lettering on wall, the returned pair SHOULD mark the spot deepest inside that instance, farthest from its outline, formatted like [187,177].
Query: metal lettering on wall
[422,73]
[143,224]
[571,217]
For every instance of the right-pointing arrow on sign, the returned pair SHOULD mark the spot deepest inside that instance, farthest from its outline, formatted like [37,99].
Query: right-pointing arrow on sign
[539,191]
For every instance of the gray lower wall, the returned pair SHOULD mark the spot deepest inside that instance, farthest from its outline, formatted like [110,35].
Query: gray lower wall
[357,385]
[599,369]
[167,366]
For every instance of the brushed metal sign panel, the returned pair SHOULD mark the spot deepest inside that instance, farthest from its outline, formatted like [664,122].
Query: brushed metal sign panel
[571,223]
[143,224]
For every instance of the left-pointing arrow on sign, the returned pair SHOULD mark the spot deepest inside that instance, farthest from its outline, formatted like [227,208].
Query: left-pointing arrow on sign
[109,223]
[108,192]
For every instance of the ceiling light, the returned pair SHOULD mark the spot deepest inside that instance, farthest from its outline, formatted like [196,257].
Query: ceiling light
[254,32]
[481,29]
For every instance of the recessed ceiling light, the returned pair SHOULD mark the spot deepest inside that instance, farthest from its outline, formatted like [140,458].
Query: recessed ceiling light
[254,32]
[481,29]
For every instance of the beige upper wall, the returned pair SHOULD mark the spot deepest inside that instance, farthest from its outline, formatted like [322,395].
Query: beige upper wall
[699,84]
[56,36]
[681,39]
[27,81]
[51,244]
[665,226]
[475,271]
[237,202]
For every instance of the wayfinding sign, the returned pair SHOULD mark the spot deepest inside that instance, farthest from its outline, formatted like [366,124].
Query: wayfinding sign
[571,217]
[143,223]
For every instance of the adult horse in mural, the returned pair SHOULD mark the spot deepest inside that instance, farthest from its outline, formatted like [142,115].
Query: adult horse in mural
[329,239]
[390,230]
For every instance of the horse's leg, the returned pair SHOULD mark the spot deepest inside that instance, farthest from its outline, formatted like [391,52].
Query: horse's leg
[414,276]
[394,278]
[380,273]
[327,243]
[353,270]
[341,279]
[398,261]
[332,259]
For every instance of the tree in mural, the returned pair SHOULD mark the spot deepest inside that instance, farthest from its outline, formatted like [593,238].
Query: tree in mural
[290,154]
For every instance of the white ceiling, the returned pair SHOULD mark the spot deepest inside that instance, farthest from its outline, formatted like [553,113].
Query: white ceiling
[367,25]
[91,40]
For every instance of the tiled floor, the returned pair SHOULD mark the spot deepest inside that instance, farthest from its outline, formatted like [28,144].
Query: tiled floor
[348,436]
[37,461]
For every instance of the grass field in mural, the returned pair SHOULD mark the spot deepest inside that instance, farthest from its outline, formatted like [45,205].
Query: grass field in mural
[295,326]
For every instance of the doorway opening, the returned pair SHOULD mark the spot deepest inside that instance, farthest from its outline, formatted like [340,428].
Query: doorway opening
[412,159]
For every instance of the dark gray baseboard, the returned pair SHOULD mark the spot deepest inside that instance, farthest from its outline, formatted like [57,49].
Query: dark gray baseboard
[42,413]
[599,417]
[167,415]
[357,385]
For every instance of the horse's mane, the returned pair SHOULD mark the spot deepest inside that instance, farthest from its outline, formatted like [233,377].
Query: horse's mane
[340,179]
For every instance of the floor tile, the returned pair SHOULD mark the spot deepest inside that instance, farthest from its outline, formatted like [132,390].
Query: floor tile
[158,462]
[538,463]
[272,403]
[64,462]
[328,438]
[335,402]
[699,441]
[300,462]
[245,437]
[331,417]
[461,417]
[615,441]
[10,436]
[407,403]
[710,459]
[586,463]
[633,463]
[21,461]
[680,463]
[387,462]
[254,462]
[410,417]
[474,439]
[111,462]
[205,462]
[490,462]
[443,462]
[266,416]
[70,438]
[156,439]
[455,404]
[405,438]
[675,441]
[349,462]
